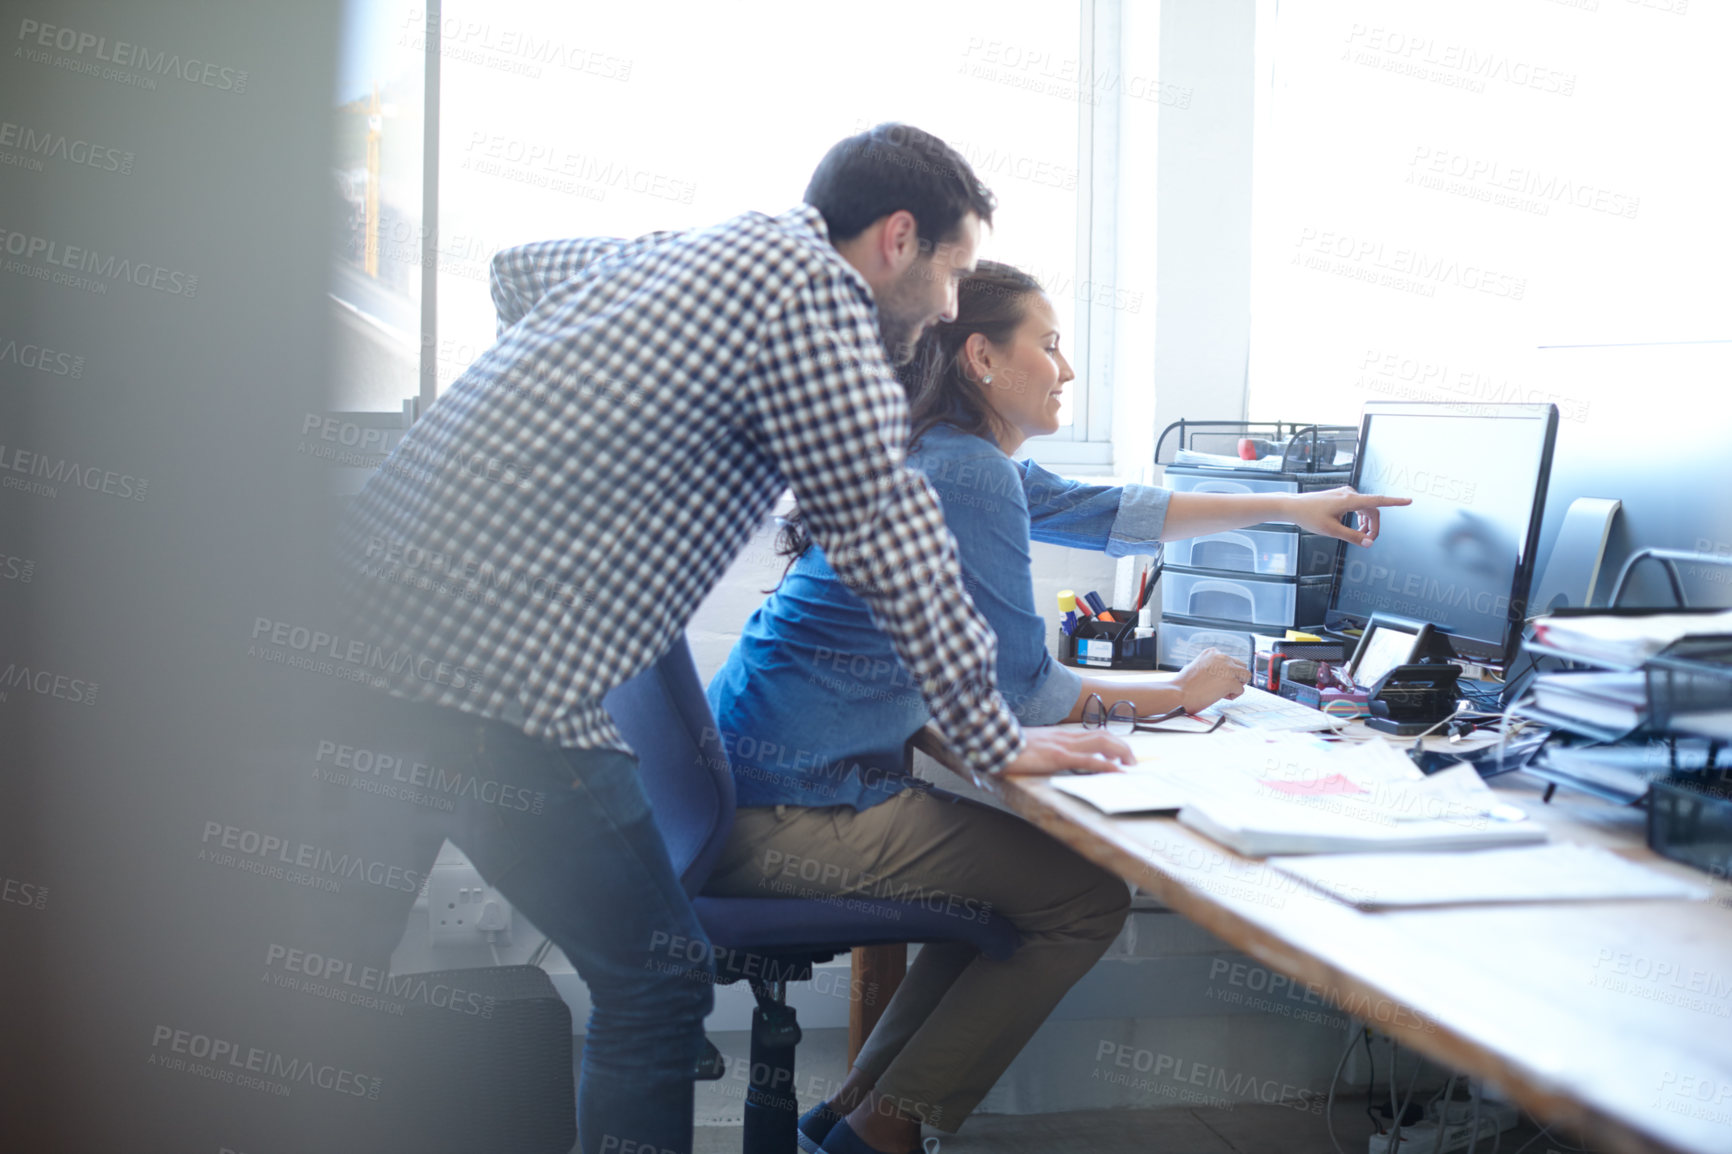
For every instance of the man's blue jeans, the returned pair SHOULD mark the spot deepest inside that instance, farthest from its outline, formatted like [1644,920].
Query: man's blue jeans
[591,871]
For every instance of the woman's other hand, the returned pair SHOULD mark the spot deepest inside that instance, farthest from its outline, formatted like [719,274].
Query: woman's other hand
[1210,676]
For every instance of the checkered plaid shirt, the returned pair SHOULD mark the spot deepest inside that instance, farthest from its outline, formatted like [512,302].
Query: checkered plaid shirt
[545,531]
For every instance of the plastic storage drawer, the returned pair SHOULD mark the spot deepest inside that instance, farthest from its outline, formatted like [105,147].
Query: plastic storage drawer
[1178,641]
[1267,601]
[1197,479]
[1265,550]
[1246,482]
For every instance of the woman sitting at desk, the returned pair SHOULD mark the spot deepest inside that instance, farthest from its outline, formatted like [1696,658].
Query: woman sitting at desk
[814,709]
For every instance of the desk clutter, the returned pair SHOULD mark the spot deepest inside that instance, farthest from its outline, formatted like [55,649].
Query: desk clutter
[1640,705]
[1632,705]
[1261,792]
[1357,821]
[1250,592]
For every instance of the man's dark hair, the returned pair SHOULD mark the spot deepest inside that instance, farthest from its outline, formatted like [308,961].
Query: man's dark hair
[894,167]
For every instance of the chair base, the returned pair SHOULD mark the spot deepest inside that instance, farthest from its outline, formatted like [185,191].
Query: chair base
[772,1107]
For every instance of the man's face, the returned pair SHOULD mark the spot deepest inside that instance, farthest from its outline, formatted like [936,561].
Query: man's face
[926,291]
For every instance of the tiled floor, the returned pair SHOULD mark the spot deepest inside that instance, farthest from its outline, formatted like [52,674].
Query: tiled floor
[1239,1130]
[1250,1128]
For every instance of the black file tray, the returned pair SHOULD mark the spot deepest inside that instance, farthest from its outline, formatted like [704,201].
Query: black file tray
[1690,688]
[1691,678]
[1310,448]
[1690,820]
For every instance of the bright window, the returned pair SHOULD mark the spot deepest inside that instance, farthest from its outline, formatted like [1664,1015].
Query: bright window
[567,120]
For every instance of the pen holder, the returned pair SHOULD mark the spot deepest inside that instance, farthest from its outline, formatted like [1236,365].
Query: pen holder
[1097,644]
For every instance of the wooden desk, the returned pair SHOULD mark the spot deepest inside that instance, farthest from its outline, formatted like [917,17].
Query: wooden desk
[1611,1019]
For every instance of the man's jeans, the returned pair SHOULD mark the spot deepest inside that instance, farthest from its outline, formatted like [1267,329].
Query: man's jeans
[571,845]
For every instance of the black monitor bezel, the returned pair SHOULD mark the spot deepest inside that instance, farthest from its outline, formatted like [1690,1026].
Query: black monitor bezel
[1477,649]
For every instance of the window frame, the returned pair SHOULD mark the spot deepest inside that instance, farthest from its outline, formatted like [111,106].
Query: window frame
[1086,444]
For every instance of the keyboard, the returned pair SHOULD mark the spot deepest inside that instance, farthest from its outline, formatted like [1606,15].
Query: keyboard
[1260,709]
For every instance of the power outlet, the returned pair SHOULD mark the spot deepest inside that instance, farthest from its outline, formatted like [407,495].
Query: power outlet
[463,910]
[1422,1137]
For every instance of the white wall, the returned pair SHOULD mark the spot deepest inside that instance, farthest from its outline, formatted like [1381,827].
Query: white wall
[1447,189]
[1203,212]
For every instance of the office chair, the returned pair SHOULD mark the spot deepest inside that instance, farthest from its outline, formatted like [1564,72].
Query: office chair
[665,717]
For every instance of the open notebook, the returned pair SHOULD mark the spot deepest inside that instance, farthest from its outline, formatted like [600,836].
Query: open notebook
[1258,828]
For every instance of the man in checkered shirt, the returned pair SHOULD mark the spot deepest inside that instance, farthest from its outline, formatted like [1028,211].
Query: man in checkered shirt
[545,531]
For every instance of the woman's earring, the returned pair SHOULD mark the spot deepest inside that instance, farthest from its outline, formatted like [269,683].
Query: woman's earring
[987,379]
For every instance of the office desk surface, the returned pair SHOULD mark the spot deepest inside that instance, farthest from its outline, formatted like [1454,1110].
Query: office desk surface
[1613,1019]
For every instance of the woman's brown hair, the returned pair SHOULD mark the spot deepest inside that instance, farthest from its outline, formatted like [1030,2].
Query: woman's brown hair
[992,301]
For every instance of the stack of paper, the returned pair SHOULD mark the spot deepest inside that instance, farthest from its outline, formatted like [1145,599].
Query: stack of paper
[1627,641]
[1260,709]
[1171,769]
[1258,828]
[1299,807]
[1269,464]
[1262,793]
[1623,771]
[1534,874]
[1117,793]
[1614,700]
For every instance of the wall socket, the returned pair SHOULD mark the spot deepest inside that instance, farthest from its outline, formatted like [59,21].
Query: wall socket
[463,910]
[1422,1137]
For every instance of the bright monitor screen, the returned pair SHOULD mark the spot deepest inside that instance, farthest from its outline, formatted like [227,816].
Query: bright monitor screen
[1462,555]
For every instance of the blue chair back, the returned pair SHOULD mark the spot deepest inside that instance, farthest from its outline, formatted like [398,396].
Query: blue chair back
[664,716]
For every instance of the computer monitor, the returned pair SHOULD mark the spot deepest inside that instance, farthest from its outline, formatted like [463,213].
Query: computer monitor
[1462,555]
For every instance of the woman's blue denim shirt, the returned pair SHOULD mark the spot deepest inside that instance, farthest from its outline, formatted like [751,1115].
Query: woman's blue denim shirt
[813,706]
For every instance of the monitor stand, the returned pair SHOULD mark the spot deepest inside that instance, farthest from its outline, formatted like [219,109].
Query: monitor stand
[1573,569]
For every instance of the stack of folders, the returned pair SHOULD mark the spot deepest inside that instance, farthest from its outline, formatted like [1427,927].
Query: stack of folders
[1627,640]
[1609,700]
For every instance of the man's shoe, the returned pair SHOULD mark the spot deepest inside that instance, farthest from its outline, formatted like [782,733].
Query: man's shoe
[815,1126]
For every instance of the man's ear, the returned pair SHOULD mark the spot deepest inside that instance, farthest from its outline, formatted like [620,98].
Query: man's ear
[899,240]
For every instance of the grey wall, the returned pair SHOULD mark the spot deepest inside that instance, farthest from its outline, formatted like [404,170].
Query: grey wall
[152,508]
